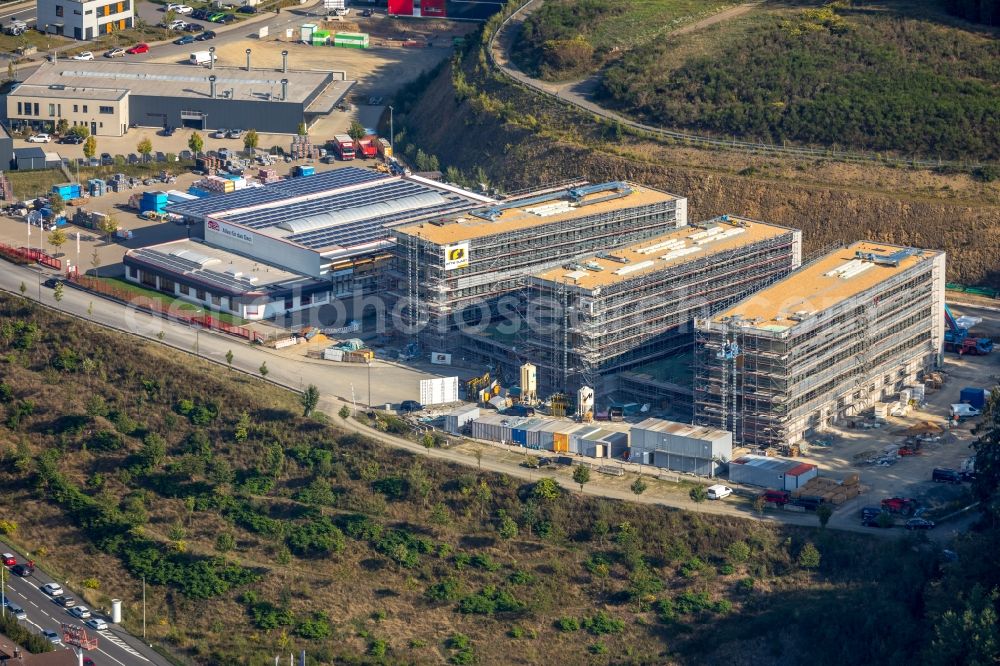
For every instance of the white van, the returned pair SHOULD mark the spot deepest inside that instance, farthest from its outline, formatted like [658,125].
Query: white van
[200,58]
[964,411]
[718,491]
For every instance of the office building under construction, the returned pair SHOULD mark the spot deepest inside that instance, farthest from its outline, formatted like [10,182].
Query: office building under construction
[450,272]
[827,342]
[622,308]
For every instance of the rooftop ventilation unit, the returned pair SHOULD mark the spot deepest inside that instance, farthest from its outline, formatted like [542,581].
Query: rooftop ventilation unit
[194,257]
[625,270]
[593,266]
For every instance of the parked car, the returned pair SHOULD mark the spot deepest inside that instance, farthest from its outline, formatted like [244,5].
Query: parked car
[167,131]
[871,516]
[86,55]
[16,611]
[72,139]
[39,138]
[183,9]
[220,133]
[186,39]
[138,48]
[718,491]
[97,624]
[52,589]
[235,134]
[22,570]
[808,502]
[8,559]
[51,637]
[193,27]
[779,497]
[205,36]
[410,406]
[81,612]
[227,18]
[247,9]
[172,7]
[919,524]
[115,53]
[186,155]
[946,475]
[177,24]
[216,17]
[201,14]
[64,600]
[107,160]
[367,12]
[904,505]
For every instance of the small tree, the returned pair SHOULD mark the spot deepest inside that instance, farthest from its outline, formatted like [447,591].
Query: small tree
[225,542]
[10,70]
[80,130]
[250,141]
[823,512]
[759,504]
[242,429]
[62,126]
[478,453]
[57,293]
[581,475]
[229,359]
[344,412]
[507,530]
[196,143]
[309,399]
[144,148]
[428,441]
[169,16]
[698,494]
[23,288]
[263,369]
[809,557]
[356,131]
[302,131]
[57,238]
[56,203]
[638,486]
[90,147]
[95,262]
[108,226]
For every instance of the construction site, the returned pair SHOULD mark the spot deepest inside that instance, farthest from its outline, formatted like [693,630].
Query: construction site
[623,308]
[825,343]
[449,274]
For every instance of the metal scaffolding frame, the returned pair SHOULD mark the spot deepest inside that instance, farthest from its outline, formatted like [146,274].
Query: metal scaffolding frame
[639,320]
[824,367]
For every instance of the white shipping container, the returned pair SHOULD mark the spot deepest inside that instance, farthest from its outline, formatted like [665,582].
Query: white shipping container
[333,354]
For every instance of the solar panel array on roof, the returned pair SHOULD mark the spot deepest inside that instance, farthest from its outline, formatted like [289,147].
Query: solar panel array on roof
[327,180]
[269,217]
[366,231]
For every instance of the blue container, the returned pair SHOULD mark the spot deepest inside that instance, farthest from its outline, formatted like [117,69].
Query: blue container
[200,193]
[519,436]
[973,396]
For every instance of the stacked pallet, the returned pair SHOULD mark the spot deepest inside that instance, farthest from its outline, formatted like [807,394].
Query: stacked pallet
[302,148]
[215,184]
[266,175]
[933,380]
[832,491]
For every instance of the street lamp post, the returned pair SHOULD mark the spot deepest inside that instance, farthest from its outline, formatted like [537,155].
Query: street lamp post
[392,135]
[369,364]
[197,334]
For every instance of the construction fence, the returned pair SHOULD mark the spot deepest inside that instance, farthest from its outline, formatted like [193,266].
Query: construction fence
[206,321]
[27,255]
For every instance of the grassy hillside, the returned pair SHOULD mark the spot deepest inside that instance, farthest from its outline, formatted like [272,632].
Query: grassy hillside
[898,77]
[566,38]
[261,531]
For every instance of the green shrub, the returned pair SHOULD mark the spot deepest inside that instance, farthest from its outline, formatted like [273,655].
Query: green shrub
[516,632]
[314,627]
[746,585]
[377,648]
[602,623]
[726,569]
[520,577]
[698,494]
[317,538]
[484,561]
[598,648]
[809,557]
[568,624]
[448,589]
[690,603]
[738,551]
[459,642]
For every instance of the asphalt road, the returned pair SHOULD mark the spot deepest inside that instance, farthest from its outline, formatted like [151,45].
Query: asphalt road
[115,647]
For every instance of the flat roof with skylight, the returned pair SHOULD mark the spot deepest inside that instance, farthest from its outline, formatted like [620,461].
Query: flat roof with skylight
[830,280]
[540,210]
[726,233]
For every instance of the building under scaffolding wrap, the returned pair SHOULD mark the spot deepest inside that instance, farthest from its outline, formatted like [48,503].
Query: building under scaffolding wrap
[453,270]
[627,307]
[827,342]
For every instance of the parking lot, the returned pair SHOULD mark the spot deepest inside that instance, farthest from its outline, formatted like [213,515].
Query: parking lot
[849,448]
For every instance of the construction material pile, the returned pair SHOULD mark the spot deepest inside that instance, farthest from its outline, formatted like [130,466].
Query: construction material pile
[302,148]
[832,491]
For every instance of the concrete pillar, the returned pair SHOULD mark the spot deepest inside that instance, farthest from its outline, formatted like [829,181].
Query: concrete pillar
[211,59]
[211,81]
[248,59]
[284,89]
[116,611]
[284,62]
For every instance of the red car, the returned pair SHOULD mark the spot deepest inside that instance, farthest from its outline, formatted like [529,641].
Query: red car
[138,48]
[8,560]
[903,505]
[779,497]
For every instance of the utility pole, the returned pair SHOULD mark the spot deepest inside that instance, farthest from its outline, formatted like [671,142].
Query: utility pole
[369,364]
[144,609]
[3,591]
[392,135]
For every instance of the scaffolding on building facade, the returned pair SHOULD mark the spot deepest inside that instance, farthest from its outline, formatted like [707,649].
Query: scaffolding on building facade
[791,379]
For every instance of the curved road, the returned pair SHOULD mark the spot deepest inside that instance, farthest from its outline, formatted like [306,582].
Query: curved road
[577,94]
